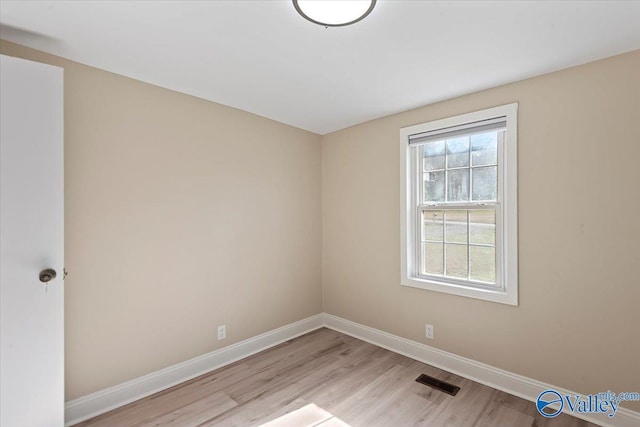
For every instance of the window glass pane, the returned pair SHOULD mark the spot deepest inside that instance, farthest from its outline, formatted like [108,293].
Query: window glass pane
[484,149]
[485,183]
[458,185]
[433,258]
[456,226]
[432,225]
[482,227]
[433,186]
[456,261]
[433,155]
[483,263]
[458,152]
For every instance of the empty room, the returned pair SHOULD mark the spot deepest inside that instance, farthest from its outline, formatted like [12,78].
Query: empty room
[319,213]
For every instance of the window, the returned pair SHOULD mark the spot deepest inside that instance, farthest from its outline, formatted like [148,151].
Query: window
[459,205]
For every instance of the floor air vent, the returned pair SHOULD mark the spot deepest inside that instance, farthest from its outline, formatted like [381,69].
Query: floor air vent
[438,385]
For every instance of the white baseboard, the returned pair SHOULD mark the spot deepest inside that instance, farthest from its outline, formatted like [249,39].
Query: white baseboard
[89,406]
[94,404]
[500,379]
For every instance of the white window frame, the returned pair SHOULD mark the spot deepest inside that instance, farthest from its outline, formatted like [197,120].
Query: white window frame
[506,291]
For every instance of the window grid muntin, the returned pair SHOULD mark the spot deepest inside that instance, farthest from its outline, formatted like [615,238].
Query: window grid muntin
[499,137]
[418,167]
[421,271]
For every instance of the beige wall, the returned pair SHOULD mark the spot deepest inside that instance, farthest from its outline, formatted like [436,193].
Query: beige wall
[579,204]
[181,215]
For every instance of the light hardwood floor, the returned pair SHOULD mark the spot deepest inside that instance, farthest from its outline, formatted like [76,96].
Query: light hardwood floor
[326,378]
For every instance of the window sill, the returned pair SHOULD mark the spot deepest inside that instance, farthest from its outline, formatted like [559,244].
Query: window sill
[497,295]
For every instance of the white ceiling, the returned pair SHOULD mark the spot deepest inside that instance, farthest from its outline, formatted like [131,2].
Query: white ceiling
[261,57]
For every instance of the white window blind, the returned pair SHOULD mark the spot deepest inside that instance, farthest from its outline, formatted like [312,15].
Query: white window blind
[453,131]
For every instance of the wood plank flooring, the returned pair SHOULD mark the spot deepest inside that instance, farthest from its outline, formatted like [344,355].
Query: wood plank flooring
[325,379]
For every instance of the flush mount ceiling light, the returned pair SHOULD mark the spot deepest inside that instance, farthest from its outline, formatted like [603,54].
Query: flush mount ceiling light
[334,13]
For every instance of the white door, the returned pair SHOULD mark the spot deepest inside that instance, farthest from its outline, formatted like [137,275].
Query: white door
[31,240]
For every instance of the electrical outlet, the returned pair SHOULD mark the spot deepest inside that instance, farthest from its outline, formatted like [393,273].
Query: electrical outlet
[222,332]
[428,331]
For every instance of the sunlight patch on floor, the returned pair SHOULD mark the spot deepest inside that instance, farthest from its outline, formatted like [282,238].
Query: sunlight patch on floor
[310,415]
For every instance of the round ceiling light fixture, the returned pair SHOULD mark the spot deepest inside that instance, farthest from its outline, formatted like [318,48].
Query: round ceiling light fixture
[334,13]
